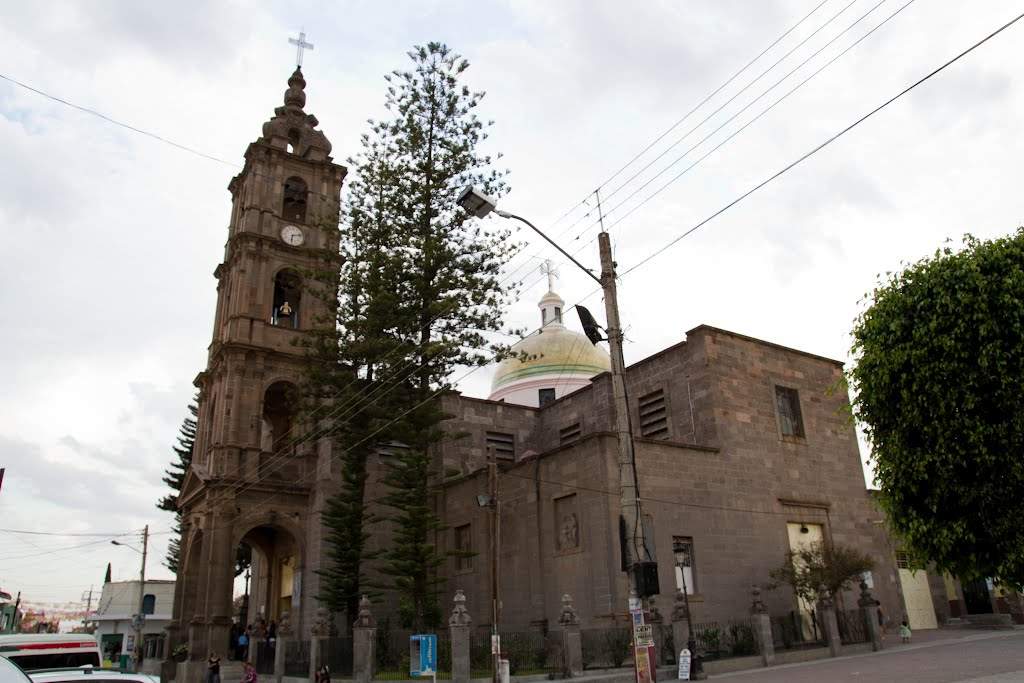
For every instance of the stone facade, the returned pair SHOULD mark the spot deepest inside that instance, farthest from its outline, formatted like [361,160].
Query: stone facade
[722,474]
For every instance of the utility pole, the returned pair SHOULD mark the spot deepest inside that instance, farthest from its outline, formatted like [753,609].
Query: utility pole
[492,489]
[140,617]
[628,503]
[88,606]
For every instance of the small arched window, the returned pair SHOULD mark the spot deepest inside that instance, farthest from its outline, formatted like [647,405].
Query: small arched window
[148,603]
[287,296]
[278,421]
[294,207]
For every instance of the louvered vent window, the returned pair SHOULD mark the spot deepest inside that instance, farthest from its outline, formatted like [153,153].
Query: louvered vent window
[569,434]
[503,445]
[654,415]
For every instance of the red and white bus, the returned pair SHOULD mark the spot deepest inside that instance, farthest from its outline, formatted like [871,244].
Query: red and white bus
[34,651]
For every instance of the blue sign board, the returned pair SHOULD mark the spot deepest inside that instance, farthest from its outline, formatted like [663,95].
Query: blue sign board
[423,655]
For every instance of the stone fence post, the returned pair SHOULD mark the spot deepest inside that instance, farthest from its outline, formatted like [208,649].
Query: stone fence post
[762,625]
[680,625]
[572,642]
[869,612]
[458,625]
[284,634]
[364,642]
[830,625]
[319,632]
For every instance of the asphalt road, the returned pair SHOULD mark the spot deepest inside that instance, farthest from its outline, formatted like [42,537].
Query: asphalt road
[986,657]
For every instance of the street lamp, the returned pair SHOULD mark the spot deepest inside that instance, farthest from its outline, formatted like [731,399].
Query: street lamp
[139,617]
[681,551]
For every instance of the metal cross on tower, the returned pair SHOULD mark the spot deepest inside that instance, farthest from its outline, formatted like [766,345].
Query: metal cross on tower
[301,45]
[549,269]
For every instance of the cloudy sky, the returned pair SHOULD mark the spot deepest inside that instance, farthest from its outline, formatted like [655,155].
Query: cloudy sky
[110,237]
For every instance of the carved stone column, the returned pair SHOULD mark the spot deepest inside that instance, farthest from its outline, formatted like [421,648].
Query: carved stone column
[364,641]
[762,625]
[572,642]
[284,634]
[319,632]
[458,625]
[869,612]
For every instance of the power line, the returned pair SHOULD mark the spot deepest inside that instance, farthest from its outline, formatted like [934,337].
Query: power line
[700,104]
[824,144]
[67,533]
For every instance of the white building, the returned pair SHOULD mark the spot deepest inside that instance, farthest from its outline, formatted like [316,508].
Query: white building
[118,603]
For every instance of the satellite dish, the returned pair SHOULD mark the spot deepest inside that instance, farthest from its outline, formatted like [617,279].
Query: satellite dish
[590,326]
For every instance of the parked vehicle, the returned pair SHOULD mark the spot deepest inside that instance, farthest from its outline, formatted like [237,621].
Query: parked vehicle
[11,673]
[35,651]
[87,674]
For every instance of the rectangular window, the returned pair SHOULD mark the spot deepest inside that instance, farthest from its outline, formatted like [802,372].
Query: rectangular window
[787,403]
[545,396]
[567,435]
[682,546]
[503,445]
[654,415]
[464,545]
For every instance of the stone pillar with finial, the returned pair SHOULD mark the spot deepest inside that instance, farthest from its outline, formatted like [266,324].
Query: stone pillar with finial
[364,641]
[459,624]
[762,625]
[320,630]
[282,636]
[869,613]
[830,624]
[572,641]
[680,623]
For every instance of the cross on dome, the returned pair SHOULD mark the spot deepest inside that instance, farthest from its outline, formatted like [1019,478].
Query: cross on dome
[301,44]
[549,269]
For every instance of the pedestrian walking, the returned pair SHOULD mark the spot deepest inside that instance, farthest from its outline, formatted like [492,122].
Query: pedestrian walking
[881,618]
[249,673]
[243,644]
[213,668]
[323,675]
[905,631]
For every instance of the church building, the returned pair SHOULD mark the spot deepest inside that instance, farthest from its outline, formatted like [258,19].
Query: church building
[744,450]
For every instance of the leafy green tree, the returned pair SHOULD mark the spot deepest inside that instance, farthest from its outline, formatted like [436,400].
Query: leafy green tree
[938,384]
[821,570]
[174,477]
[419,289]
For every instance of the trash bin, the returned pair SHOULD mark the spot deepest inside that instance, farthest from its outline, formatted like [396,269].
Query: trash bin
[503,671]
[124,663]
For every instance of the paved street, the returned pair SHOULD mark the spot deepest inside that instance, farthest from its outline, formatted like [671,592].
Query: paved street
[985,657]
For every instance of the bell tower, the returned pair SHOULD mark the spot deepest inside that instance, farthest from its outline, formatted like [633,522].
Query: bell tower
[255,480]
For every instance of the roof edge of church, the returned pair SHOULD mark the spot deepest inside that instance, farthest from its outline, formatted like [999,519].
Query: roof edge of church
[711,328]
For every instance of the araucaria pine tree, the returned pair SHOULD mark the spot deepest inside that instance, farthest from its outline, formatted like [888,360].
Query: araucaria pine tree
[420,288]
[174,479]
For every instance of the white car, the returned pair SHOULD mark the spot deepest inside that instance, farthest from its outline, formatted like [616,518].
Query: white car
[11,673]
[87,674]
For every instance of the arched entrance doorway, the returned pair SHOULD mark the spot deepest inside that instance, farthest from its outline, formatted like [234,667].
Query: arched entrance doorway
[270,587]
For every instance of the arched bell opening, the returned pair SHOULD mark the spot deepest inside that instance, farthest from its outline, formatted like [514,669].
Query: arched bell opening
[287,298]
[277,426]
[293,208]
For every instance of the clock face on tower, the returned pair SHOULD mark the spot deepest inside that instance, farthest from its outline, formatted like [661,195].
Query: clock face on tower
[292,235]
